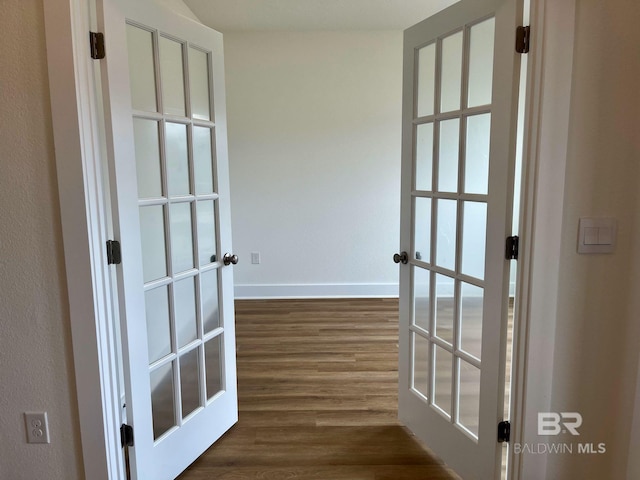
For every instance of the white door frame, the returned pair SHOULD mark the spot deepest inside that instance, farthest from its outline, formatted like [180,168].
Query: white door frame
[549,79]
[83,207]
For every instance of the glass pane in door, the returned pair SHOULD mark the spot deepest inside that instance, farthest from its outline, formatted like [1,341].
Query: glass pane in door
[142,73]
[448,155]
[172,76]
[199,79]
[471,305]
[213,362]
[468,396]
[177,159]
[445,308]
[474,238]
[184,294]
[446,233]
[451,73]
[210,303]
[207,231]
[148,164]
[476,170]
[420,370]
[190,381]
[158,323]
[426,80]
[424,157]
[203,160]
[481,63]
[422,229]
[162,399]
[152,231]
[181,236]
[421,298]
[442,379]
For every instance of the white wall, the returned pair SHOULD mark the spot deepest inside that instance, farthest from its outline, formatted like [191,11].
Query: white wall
[35,340]
[178,6]
[598,329]
[314,148]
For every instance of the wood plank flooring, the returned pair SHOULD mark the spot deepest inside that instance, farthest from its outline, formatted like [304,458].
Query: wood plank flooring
[317,386]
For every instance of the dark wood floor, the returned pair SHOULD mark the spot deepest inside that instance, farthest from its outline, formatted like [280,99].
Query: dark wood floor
[317,385]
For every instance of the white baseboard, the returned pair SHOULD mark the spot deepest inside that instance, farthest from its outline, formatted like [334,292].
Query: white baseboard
[338,290]
[326,290]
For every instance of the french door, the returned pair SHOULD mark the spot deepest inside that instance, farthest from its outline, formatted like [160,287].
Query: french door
[163,86]
[459,131]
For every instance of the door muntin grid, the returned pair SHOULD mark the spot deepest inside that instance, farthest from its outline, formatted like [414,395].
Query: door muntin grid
[174,134]
[449,204]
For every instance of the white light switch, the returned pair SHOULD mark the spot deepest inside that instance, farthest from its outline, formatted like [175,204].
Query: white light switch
[597,235]
[591,236]
[605,236]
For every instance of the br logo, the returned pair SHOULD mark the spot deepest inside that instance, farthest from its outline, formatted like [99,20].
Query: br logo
[553,423]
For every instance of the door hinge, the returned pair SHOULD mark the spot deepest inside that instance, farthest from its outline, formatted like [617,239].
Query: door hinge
[96,45]
[126,435]
[504,432]
[114,254]
[523,39]
[511,249]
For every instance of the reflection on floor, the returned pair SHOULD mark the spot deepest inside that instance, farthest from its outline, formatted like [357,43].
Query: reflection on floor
[317,383]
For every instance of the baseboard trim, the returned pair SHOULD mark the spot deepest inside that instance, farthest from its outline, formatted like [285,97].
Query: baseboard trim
[346,290]
[325,290]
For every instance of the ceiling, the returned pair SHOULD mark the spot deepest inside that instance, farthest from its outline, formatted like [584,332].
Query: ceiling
[300,15]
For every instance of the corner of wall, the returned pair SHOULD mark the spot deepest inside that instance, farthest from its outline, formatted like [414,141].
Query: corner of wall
[180,7]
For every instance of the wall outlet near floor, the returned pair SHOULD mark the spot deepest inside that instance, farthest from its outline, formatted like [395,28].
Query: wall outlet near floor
[37,427]
[255,258]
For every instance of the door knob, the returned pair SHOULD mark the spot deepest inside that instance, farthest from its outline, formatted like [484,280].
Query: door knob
[228,259]
[401,257]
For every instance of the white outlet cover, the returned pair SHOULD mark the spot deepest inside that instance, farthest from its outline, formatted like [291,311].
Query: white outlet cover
[37,426]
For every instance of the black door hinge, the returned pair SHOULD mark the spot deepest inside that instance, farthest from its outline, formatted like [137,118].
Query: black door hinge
[96,45]
[504,432]
[523,39]
[114,255]
[511,249]
[126,435]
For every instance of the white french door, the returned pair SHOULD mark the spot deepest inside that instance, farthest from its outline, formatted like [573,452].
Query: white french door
[163,85]
[459,131]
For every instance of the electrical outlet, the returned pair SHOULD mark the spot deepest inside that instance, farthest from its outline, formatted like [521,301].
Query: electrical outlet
[37,427]
[255,258]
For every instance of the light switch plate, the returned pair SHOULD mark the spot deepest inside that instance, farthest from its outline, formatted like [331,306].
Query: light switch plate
[597,235]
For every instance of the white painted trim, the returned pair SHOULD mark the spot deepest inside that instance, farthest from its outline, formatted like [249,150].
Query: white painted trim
[84,228]
[328,290]
[544,166]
